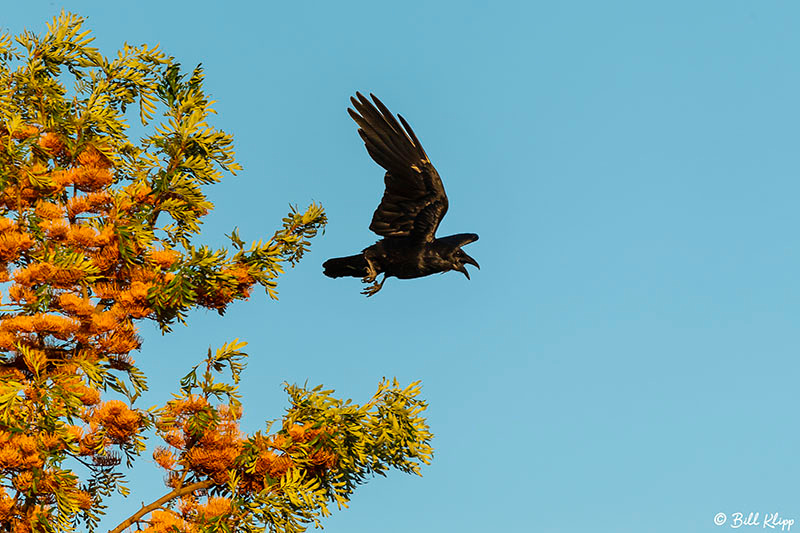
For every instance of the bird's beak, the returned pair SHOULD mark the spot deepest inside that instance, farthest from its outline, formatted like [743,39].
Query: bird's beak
[471,261]
[463,270]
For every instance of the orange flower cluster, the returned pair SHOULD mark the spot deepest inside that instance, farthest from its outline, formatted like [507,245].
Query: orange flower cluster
[38,178]
[236,282]
[7,505]
[22,461]
[164,258]
[278,453]
[191,516]
[12,241]
[166,521]
[52,143]
[211,452]
[25,131]
[96,202]
[119,422]
[219,447]
[69,294]
[19,452]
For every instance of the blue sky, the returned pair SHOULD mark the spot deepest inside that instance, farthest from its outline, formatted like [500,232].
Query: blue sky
[626,358]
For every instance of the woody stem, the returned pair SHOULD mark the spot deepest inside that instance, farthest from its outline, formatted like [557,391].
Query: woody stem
[177,493]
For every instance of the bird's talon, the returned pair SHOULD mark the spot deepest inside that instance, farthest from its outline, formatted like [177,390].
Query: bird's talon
[374,288]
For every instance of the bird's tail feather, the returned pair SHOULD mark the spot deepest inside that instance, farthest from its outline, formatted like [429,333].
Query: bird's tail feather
[354,265]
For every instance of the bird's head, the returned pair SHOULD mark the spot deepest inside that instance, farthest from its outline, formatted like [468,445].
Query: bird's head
[458,257]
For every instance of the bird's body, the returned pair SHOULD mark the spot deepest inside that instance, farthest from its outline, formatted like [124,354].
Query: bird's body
[410,211]
[401,259]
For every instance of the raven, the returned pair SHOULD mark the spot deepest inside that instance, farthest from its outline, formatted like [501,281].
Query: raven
[412,207]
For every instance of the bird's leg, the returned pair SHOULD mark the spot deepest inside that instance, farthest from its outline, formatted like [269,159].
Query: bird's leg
[372,272]
[375,287]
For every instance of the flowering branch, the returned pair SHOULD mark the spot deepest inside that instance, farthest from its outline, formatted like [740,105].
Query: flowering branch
[146,509]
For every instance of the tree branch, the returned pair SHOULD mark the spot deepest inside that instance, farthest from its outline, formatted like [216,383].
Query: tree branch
[177,493]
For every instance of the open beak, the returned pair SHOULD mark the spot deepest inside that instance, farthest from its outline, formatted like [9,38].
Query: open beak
[471,261]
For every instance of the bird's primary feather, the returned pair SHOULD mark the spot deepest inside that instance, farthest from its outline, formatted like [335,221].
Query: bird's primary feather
[414,201]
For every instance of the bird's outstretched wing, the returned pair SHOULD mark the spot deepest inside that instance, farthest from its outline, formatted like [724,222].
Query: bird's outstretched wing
[414,201]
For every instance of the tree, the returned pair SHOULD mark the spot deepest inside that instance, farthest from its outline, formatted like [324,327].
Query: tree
[98,234]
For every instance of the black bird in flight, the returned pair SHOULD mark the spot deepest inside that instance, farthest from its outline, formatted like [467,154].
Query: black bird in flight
[412,207]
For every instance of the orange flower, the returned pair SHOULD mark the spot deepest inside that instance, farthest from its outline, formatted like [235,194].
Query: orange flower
[48,210]
[175,439]
[89,396]
[51,142]
[214,508]
[12,243]
[74,304]
[19,526]
[7,506]
[323,459]
[23,481]
[91,202]
[106,257]
[187,504]
[106,290]
[77,205]
[120,422]
[274,465]
[84,499]
[10,458]
[227,412]
[21,294]
[46,272]
[100,199]
[25,443]
[18,323]
[164,458]
[51,442]
[90,443]
[63,178]
[213,462]
[164,258]
[297,432]
[75,433]
[6,224]
[59,326]
[12,374]
[33,274]
[56,229]
[48,483]
[25,131]
[92,177]
[166,521]
[7,341]
[82,235]
[105,236]
[104,321]
[92,156]
[119,342]
[189,405]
